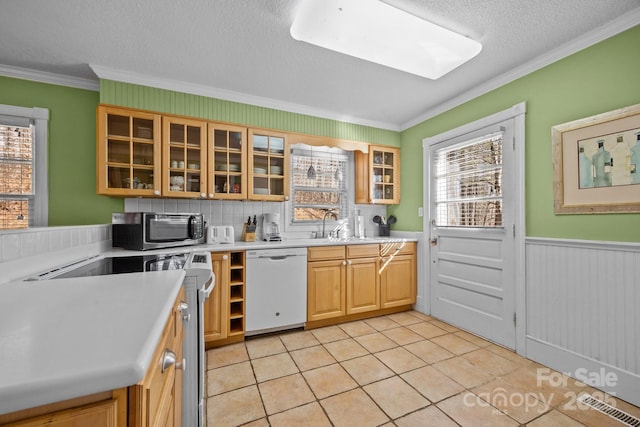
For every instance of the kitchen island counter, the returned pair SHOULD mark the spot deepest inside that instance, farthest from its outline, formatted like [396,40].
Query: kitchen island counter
[65,338]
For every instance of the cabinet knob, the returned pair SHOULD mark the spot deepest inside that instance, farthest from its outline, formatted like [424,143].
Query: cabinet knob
[184,309]
[211,195]
[344,262]
[203,195]
[156,192]
[168,359]
[225,257]
[182,365]
[349,262]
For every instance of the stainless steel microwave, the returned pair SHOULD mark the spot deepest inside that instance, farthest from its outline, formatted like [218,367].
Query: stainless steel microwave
[148,230]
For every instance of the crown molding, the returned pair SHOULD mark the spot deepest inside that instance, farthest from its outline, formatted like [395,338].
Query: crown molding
[108,73]
[597,35]
[46,77]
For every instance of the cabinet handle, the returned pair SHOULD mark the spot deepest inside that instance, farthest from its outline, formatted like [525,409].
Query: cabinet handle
[182,365]
[168,359]
[183,307]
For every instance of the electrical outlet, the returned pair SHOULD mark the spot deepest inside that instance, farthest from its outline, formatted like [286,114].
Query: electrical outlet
[420,211]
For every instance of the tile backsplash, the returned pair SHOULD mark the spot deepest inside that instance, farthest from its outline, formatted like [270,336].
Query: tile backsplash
[36,249]
[235,213]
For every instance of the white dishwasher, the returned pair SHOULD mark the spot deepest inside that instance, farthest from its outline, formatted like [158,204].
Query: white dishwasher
[276,294]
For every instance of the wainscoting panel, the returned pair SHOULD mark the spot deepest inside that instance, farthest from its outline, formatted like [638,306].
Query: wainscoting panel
[582,302]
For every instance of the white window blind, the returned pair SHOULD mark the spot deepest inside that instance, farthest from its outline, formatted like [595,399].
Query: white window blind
[468,180]
[324,190]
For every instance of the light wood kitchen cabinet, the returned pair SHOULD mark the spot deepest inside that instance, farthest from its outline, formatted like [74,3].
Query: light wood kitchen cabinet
[224,311]
[268,165]
[378,175]
[184,157]
[227,148]
[342,280]
[128,152]
[216,307]
[398,277]
[155,401]
[325,289]
[352,282]
[362,281]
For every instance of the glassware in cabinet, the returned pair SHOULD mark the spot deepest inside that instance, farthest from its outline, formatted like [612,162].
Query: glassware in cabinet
[184,157]
[128,152]
[228,153]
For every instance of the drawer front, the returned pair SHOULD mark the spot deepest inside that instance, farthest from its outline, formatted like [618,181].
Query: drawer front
[408,248]
[362,251]
[322,253]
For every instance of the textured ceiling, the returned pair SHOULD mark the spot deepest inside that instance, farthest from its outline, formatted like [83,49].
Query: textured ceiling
[243,50]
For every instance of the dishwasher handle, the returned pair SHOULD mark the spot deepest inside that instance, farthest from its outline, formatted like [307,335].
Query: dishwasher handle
[276,257]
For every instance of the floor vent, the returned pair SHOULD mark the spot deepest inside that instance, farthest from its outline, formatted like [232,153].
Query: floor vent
[619,415]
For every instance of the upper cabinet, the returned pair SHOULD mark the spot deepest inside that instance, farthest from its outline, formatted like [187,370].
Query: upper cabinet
[128,152]
[228,162]
[184,157]
[268,165]
[142,154]
[378,175]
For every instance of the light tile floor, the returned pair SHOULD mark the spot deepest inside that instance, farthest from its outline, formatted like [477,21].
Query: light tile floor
[404,370]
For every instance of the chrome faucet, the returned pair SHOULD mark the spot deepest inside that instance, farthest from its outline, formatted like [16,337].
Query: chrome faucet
[326,214]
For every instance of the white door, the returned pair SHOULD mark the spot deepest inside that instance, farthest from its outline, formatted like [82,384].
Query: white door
[470,186]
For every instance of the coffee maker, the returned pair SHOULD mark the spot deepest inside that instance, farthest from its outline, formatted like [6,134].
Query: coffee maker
[271,227]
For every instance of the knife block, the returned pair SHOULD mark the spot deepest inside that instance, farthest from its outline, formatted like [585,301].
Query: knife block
[248,233]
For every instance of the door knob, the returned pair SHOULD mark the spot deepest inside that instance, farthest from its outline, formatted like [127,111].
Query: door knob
[433,241]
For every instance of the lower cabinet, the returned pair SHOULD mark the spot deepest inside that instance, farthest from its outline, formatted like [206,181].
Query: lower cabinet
[398,282]
[157,400]
[224,311]
[353,281]
[154,401]
[325,289]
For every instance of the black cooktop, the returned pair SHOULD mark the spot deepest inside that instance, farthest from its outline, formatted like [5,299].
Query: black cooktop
[127,264]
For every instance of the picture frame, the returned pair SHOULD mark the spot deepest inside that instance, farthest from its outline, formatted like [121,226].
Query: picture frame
[596,163]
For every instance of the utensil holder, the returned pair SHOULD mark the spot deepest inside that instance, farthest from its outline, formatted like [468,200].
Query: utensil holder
[384,230]
[248,233]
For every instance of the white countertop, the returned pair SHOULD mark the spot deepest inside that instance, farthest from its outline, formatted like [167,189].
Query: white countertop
[259,244]
[66,338]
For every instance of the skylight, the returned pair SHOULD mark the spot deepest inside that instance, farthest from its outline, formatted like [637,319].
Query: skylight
[380,33]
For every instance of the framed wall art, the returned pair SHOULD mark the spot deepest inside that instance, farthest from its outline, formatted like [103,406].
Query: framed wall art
[596,163]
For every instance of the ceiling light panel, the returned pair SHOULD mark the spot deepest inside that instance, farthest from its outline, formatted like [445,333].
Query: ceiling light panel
[380,33]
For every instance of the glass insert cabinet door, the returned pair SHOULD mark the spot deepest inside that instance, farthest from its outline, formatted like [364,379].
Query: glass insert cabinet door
[227,160]
[385,175]
[268,165]
[184,157]
[128,155]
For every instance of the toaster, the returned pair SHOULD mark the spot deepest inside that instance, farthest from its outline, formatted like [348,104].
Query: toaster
[220,234]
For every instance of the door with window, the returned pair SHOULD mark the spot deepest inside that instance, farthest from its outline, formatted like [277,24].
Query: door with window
[471,224]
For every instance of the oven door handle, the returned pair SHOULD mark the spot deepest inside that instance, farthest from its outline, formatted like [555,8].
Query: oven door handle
[206,291]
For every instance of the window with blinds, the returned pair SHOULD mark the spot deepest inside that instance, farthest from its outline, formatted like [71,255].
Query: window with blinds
[16,175]
[321,188]
[468,183]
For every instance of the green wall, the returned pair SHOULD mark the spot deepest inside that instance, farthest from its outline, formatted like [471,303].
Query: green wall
[171,102]
[601,78]
[72,149]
